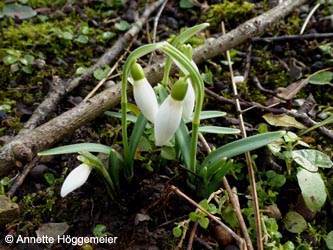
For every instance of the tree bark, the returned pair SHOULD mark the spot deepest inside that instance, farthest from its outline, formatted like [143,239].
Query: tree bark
[26,146]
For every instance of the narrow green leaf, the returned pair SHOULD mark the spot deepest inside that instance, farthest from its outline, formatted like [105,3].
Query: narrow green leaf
[208,114]
[75,148]
[183,141]
[138,129]
[114,165]
[130,118]
[216,179]
[187,34]
[241,146]
[218,130]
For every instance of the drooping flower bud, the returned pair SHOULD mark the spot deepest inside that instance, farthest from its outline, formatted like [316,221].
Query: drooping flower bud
[170,113]
[144,94]
[189,101]
[75,179]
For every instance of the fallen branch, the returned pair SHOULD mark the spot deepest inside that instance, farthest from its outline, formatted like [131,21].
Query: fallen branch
[288,38]
[59,88]
[58,128]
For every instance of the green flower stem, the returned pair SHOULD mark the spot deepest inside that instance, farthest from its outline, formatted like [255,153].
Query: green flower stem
[111,189]
[199,93]
[93,162]
[141,51]
[180,39]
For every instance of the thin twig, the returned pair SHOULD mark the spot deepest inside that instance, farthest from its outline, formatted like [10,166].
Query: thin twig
[248,157]
[308,18]
[287,38]
[238,239]
[156,19]
[101,82]
[192,236]
[248,63]
[19,181]
[233,200]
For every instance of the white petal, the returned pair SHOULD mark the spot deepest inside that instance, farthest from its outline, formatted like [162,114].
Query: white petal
[167,120]
[75,179]
[238,79]
[145,98]
[189,101]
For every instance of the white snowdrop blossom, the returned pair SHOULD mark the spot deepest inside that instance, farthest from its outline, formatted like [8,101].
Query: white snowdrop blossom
[144,94]
[75,179]
[189,101]
[170,113]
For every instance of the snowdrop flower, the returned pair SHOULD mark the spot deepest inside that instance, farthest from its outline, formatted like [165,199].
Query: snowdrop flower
[144,94]
[189,101]
[170,113]
[75,179]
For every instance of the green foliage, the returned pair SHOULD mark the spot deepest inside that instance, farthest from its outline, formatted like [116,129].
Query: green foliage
[228,10]
[49,178]
[100,74]
[122,25]
[4,183]
[18,11]
[294,222]
[99,230]
[310,181]
[322,78]
[329,240]
[185,4]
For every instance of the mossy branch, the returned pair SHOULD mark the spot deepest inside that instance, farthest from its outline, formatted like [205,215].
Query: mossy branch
[27,145]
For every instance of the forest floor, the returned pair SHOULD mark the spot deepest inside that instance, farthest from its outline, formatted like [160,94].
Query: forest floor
[64,38]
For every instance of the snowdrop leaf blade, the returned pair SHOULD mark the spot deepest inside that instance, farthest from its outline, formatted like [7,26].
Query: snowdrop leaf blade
[218,130]
[183,141]
[187,34]
[75,179]
[75,148]
[241,146]
[138,129]
[131,118]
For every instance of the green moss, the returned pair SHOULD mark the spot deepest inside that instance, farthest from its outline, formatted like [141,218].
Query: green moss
[228,10]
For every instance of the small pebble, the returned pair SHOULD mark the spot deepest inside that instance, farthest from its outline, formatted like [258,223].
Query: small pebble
[317,66]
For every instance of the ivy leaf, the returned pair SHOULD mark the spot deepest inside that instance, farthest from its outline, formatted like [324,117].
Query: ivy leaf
[82,39]
[19,11]
[203,222]
[294,222]
[177,232]
[322,78]
[313,189]
[8,60]
[100,74]
[99,230]
[122,25]
[185,4]
[329,240]
[311,159]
